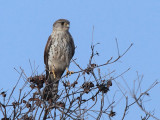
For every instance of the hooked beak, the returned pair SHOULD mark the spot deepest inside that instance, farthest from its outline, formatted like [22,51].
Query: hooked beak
[67,25]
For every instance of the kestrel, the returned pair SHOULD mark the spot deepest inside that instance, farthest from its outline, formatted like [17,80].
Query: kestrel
[58,52]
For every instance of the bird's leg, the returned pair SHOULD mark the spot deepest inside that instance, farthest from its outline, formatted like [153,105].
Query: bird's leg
[68,72]
[52,72]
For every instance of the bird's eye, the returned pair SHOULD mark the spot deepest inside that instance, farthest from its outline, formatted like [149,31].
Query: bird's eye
[62,23]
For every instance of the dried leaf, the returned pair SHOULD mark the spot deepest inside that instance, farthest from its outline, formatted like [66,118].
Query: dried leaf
[3,93]
[109,83]
[73,84]
[28,105]
[93,98]
[24,101]
[112,114]
[93,65]
[33,99]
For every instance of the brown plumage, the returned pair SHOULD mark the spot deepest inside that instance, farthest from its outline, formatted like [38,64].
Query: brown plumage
[58,52]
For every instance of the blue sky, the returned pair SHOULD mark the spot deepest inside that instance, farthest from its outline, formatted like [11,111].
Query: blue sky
[26,25]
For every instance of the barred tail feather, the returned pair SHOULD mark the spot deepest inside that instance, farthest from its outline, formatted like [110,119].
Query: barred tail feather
[51,89]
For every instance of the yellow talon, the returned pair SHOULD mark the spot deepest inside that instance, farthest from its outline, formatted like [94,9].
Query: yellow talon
[52,72]
[68,72]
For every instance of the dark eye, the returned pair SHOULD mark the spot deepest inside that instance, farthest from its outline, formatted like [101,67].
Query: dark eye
[62,23]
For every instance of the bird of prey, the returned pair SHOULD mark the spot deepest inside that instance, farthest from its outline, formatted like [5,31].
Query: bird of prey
[58,52]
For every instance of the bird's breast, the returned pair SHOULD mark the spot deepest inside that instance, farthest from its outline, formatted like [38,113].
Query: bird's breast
[59,51]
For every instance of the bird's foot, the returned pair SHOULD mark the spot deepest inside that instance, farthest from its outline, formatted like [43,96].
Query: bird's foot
[52,72]
[68,72]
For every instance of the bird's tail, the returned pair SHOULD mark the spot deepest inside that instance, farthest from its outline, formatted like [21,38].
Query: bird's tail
[51,89]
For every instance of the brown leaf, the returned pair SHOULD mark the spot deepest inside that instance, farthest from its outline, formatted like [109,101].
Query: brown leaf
[3,94]
[38,103]
[93,65]
[86,90]
[66,84]
[24,101]
[61,104]
[28,105]
[15,103]
[32,86]
[93,98]
[109,83]
[33,99]
[102,87]
[73,84]
[112,114]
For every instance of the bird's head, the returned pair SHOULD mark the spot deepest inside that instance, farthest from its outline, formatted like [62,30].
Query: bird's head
[61,24]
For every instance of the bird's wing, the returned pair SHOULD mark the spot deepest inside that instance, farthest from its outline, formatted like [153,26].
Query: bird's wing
[46,53]
[72,45]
